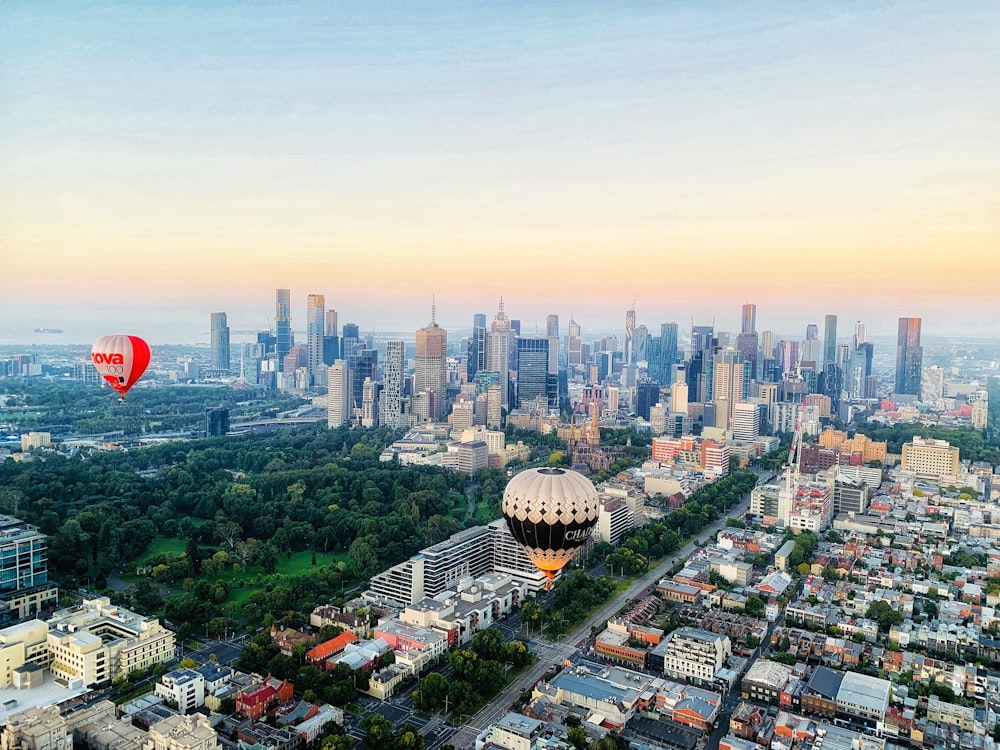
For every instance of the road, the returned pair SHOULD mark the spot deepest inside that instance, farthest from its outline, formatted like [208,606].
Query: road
[553,653]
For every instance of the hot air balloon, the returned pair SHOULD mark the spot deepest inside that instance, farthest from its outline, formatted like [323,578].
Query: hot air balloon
[551,513]
[121,360]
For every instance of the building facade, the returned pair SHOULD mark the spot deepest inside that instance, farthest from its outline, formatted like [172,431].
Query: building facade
[909,357]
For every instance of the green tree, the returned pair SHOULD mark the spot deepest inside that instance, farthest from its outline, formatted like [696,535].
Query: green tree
[378,731]
[431,693]
[577,738]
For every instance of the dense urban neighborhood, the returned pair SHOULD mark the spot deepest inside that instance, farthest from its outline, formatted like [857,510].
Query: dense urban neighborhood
[306,553]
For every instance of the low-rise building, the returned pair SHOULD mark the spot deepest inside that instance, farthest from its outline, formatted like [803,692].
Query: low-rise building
[182,733]
[693,654]
[185,687]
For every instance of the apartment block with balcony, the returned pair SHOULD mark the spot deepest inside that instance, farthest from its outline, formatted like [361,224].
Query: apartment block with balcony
[692,654]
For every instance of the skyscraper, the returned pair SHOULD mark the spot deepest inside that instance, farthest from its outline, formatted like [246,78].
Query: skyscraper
[860,334]
[629,336]
[830,340]
[430,373]
[574,346]
[331,323]
[661,354]
[315,328]
[532,370]
[220,342]
[552,332]
[498,352]
[362,364]
[647,393]
[993,406]
[390,402]
[282,323]
[909,357]
[641,339]
[749,318]
[477,346]
[811,350]
[338,408]
[349,339]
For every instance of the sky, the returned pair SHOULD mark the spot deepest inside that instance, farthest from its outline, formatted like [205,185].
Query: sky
[162,161]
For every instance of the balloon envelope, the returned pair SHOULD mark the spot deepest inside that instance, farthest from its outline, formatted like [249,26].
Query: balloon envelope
[120,360]
[551,513]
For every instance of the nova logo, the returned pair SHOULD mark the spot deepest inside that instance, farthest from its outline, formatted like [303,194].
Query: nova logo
[100,358]
[578,535]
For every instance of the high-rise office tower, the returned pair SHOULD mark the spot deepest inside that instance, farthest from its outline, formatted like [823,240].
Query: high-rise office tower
[746,345]
[349,339]
[552,333]
[703,345]
[494,408]
[749,318]
[477,347]
[993,406]
[647,393]
[854,374]
[788,355]
[315,328]
[574,345]
[679,393]
[746,422]
[430,374]
[390,402]
[220,342]
[362,364]
[661,354]
[730,381]
[338,409]
[860,334]
[532,370]
[812,348]
[641,339]
[767,344]
[282,323]
[909,357]
[830,340]
[369,403]
[498,352]
[629,336]
[331,323]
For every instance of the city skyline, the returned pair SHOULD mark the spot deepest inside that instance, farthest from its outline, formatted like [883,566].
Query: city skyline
[162,162]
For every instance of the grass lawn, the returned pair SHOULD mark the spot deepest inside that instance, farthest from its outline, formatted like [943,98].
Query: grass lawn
[354,709]
[161,546]
[482,515]
[253,577]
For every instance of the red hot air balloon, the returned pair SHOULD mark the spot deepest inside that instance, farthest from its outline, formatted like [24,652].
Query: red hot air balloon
[121,360]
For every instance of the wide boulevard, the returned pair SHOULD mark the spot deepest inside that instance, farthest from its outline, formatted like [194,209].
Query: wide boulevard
[550,653]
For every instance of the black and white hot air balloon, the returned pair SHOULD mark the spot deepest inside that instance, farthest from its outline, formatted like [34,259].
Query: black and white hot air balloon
[551,513]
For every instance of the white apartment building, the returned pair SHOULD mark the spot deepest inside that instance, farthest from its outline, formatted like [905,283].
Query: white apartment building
[746,421]
[436,568]
[695,654]
[338,404]
[185,687]
[614,520]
